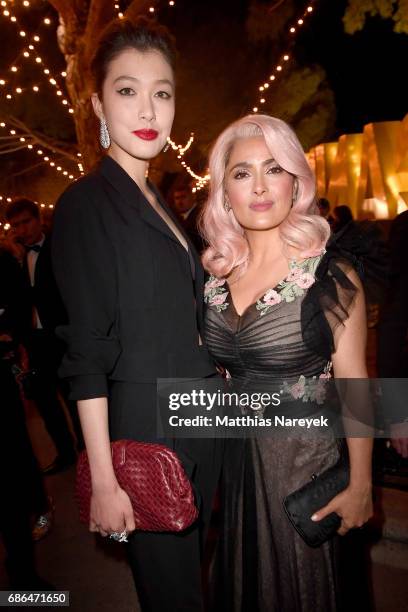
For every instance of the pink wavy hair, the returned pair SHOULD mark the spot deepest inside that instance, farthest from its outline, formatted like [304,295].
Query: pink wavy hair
[302,229]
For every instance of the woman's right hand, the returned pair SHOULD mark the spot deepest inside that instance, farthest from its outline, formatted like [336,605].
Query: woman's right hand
[111,511]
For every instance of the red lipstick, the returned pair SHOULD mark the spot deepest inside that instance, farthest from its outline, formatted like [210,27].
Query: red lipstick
[146,134]
[261,206]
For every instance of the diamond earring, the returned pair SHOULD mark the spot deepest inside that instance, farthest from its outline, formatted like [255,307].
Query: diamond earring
[166,147]
[104,137]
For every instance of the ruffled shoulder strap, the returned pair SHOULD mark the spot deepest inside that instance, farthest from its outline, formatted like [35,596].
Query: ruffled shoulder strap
[328,302]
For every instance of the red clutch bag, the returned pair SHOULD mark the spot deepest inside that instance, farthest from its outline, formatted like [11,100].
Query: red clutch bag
[152,475]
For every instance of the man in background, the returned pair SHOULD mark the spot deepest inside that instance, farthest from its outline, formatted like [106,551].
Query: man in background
[44,311]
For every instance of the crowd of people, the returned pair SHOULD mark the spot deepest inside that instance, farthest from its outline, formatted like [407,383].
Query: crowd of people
[92,315]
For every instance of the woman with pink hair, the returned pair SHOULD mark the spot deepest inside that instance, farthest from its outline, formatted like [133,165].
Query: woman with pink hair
[277,294]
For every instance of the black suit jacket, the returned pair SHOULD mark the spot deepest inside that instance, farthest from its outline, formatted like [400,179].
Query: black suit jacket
[44,295]
[134,308]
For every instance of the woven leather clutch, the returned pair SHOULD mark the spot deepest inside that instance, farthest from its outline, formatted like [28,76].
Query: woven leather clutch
[152,475]
[303,503]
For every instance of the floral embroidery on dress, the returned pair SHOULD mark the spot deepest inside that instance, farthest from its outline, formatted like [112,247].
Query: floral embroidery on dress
[309,389]
[215,293]
[301,276]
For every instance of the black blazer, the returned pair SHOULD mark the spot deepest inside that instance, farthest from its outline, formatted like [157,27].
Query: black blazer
[44,294]
[127,283]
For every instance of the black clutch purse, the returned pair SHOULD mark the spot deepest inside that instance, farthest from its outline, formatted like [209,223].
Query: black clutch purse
[314,495]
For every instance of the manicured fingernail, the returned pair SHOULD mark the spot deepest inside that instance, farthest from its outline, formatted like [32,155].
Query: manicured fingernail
[314,517]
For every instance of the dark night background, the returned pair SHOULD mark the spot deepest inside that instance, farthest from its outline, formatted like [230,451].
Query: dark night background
[334,83]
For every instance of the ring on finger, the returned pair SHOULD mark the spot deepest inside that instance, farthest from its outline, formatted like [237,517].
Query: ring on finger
[119,537]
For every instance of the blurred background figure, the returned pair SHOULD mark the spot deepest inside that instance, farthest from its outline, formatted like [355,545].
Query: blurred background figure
[43,311]
[323,205]
[23,492]
[342,215]
[392,357]
[185,204]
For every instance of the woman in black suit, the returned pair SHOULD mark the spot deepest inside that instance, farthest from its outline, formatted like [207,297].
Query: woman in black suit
[132,284]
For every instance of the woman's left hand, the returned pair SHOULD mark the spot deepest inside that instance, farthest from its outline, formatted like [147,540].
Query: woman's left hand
[354,505]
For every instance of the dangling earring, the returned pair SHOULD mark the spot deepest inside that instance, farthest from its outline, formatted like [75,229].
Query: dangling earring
[104,137]
[166,147]
[227,206]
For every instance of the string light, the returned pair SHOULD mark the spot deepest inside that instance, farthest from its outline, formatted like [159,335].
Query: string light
[32,147]
[285,57]
[38,60]
[181,150]
[7,199]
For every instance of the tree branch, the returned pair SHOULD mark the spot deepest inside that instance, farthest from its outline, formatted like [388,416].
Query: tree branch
[101,12]
[28,169]
[275,6]
[66,9]
[5,150]
[37,138]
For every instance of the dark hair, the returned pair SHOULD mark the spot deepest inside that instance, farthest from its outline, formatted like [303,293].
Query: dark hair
[141,34]
[323,204]
[343,214]
[20,205]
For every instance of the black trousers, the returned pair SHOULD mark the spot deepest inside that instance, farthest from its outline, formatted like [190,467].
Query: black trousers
[45,353]
[167,567]
[21,484]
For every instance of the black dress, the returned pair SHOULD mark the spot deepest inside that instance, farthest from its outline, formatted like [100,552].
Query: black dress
[262,564]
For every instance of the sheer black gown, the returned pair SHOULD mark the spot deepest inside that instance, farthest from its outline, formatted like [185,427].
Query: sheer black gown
[262,564]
